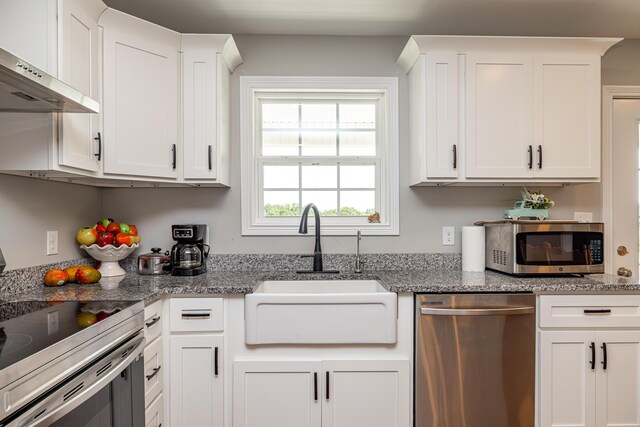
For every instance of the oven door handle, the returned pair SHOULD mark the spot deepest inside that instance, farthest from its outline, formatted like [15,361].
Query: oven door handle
[135,349]
[508,311]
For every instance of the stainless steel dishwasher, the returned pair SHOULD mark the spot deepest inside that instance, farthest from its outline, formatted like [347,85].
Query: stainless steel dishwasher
[475,360]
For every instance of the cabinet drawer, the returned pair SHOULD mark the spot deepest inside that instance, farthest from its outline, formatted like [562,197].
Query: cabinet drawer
[153,416]
[196,315]
[589,311]
[152,321]
[153,371]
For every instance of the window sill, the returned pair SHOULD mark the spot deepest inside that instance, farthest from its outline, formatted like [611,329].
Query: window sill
[326,230]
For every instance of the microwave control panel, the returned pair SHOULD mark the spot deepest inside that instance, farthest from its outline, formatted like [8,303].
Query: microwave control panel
[596,251]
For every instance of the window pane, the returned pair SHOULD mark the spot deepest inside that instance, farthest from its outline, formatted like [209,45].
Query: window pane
[279,116]
[357,203]
[319,176]
[322,143]
[280,143]
[359,176]
[319,116]
[281,203]
[358,116]
[326,201]
[358,143]
[281,176]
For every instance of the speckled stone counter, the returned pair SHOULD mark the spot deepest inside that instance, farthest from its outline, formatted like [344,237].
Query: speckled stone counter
[150,288]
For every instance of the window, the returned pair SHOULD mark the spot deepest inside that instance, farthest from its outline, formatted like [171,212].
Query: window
[327,141]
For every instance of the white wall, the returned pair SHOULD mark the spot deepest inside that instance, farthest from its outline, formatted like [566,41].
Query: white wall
[423,210]
[29,207]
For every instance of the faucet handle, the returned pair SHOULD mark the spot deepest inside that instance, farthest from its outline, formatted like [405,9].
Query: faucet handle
[307,256]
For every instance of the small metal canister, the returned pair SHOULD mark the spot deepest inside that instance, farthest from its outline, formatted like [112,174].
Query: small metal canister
[154,262]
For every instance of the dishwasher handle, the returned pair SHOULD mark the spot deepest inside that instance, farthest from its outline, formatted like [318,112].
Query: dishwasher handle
[507,311]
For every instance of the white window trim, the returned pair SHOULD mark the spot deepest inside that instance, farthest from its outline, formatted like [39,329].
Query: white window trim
[249,85]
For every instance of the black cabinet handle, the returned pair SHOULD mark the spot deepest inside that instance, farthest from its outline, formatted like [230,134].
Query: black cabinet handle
[539,156]
[327,390]
[174,154]
[530,151]
[196,315]
[597,311]
[155,320]
[210,155]
[315,386]
[604,356]
[215,362]
[455,156]
[154,373]
[99,139]
[593,355]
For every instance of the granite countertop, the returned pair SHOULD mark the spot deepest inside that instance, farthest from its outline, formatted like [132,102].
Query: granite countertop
[150,288]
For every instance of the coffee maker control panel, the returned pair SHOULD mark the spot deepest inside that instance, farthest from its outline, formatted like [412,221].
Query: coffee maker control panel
[182,233]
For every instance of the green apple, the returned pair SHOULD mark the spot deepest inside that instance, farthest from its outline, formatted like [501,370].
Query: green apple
[125,229]
[106,221]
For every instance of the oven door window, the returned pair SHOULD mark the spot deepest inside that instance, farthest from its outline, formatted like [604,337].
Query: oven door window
[559,248]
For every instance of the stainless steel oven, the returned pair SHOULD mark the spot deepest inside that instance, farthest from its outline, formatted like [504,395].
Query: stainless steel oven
[72,364]
[544,247]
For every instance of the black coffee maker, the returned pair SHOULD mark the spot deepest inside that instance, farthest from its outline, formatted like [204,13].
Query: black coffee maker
[188,256]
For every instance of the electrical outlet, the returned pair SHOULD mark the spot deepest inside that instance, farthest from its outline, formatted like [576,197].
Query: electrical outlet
[448,236]
[52,242]
[583,216]
[206,235]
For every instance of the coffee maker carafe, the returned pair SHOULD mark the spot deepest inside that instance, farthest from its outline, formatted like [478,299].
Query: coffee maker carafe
[188,256]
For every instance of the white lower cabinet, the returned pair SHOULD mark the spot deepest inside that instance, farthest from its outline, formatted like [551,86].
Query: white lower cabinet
[329,393]
[196,380]
[154,365]
[589,377]
[154,414]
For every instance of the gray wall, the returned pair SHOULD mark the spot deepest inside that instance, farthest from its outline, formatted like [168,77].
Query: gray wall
[423,211]
[621,64]
[29,207]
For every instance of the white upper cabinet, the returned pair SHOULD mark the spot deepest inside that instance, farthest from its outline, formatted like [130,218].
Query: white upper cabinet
[499,119]
[79,67]
[567,116]
[207,62]
[28,30]
[524,109]
[140,103]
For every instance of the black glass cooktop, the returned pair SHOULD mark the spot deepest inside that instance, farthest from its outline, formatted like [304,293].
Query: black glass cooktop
[28,327]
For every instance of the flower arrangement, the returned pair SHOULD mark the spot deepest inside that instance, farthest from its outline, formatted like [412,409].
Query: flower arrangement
[536,200]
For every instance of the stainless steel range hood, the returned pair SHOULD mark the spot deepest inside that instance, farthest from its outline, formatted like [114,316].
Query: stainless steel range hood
[26,89]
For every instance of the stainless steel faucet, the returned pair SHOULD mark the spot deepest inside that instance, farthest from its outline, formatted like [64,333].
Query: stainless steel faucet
[359,261]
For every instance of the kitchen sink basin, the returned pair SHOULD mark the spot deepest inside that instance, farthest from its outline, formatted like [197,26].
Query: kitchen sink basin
[321,312]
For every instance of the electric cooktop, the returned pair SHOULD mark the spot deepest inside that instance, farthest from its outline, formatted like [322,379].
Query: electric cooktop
[30,327]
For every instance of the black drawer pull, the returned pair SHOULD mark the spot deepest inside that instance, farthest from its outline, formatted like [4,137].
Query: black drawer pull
[155,320]
[154,373]
[593,355]
[604,356]
[530,151]
[210,155]
[455,156]
[196,315]
[539,156]
[174,156]
[99,139]
[597,311]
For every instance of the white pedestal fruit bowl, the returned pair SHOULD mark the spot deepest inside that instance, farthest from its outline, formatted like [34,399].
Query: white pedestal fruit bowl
[109,257]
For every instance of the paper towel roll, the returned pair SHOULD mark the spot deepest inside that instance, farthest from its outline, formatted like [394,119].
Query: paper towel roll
[472,248]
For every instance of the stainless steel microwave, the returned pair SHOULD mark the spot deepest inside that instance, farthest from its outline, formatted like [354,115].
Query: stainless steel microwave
[543,247]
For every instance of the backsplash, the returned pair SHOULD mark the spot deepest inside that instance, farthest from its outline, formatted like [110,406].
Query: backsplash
[25,279]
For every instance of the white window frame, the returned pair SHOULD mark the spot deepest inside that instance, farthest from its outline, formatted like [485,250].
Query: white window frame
[254,224]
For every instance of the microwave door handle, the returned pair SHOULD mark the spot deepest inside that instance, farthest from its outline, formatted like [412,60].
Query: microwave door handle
[57,412]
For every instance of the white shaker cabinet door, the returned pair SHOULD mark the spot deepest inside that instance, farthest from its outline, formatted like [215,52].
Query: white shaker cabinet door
[567,116]
[141,83]
[197,385]
[78,67]
[568,378]
[499,116]
[276,394]
[366,393]
[618,382]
